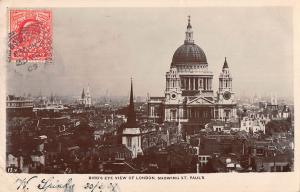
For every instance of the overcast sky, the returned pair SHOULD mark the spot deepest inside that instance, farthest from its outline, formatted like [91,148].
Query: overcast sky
[104,47]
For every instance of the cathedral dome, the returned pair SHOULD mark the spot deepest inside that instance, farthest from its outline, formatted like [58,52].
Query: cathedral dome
[189,53]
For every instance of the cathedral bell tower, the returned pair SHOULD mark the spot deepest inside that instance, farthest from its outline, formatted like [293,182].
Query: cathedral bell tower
[173,96]
[173,89]
[88,97]
[225,94]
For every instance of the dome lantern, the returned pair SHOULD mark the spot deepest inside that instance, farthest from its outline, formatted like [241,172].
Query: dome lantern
[189,33]
[189,52]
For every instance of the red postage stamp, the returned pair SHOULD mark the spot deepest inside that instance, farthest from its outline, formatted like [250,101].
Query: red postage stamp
[30,36]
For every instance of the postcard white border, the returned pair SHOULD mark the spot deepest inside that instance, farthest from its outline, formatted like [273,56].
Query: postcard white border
[211,182]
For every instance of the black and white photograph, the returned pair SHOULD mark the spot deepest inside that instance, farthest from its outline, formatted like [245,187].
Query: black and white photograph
[146,91]
[156,93]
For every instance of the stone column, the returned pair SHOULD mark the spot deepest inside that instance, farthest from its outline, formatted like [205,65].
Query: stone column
[214,113]
[189,83]
[181,83]
[194,84]
[186,83]
[201,83]
[167,84]
[152,110]
[166,114]
[221,84]
[208,83]
[180,113]
[222,114]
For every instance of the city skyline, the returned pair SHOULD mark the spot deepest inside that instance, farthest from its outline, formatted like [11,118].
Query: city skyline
[145,91]
[123,47]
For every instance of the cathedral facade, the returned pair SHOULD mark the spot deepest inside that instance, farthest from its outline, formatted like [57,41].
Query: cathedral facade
[86,98]
[189,99]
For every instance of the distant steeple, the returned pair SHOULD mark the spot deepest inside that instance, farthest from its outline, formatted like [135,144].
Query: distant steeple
[189,33]
[131,116]
[88,91]
[83,94]
[51,97]
[225,64]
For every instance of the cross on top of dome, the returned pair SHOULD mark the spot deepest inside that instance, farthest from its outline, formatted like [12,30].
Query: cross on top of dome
[189,22]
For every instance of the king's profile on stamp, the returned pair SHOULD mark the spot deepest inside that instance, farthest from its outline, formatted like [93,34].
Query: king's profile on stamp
[30,37]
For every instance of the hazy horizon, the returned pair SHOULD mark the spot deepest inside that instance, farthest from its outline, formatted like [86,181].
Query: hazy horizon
[105,47]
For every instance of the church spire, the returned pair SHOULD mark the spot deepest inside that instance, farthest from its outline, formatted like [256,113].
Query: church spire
[189,33]
[82,94]
[131,116]
[88,90]
[225,64]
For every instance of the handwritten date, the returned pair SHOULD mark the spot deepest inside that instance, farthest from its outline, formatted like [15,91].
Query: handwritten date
[101,187]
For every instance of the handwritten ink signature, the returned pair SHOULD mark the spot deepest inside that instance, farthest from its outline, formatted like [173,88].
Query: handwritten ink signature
[23,183]
[45,184]
[53,183]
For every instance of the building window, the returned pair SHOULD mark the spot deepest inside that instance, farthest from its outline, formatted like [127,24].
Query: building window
[129,141]
[173,114]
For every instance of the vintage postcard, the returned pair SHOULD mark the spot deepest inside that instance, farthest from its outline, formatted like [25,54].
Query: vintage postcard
[166,97]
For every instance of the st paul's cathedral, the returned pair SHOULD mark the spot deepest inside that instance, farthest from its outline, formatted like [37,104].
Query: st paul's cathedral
[189,100]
